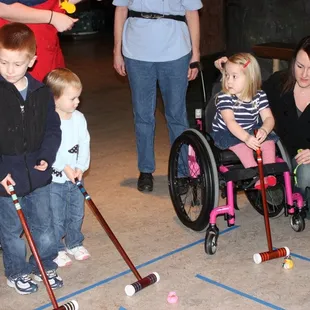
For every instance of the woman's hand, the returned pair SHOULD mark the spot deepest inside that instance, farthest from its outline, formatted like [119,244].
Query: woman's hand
[62,22]
[303,157]
[192,73]
[119,64]
[220,62]
[252,142]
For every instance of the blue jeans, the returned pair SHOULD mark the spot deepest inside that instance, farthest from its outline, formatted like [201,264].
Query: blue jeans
[67,204]
[37,211]
[173,82]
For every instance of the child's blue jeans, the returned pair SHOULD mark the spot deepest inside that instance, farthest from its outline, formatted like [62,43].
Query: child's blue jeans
[36,208]
[67,204]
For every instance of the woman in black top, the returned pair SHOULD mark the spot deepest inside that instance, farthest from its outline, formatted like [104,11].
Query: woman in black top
[288,93]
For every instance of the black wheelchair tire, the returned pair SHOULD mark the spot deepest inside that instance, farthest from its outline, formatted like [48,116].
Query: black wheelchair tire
[209,178]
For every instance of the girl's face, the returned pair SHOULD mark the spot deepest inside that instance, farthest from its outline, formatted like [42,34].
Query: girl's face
[235,78]
[302,69]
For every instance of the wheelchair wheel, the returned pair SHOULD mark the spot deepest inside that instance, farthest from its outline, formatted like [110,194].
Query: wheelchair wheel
[297,222]
[211,241]
[275,195]
[193,179]
[275,200]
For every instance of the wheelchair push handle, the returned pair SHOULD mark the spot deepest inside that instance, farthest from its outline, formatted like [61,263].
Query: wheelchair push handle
[198,65]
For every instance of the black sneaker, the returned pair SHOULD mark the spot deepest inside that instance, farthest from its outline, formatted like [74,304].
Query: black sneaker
[23,284]
[54,280]
[145,182]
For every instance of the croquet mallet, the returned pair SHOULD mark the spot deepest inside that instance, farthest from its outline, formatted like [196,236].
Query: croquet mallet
[71,305]
[271,253]
[141,283]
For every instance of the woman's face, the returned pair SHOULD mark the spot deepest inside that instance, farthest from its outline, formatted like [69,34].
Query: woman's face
[302,69]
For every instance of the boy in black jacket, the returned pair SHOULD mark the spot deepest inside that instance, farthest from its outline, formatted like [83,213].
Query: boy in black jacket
[29,139]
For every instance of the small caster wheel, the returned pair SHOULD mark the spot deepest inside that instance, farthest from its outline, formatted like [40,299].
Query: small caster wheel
[298,222]
[211,241]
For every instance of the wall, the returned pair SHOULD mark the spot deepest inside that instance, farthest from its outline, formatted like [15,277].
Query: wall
[251,22]
[212,27]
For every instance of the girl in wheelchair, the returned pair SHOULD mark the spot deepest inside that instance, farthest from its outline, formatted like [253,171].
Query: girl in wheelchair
[212,157]
[241,108]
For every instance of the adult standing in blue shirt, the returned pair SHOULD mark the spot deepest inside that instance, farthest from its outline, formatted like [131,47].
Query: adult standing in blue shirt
[155,41]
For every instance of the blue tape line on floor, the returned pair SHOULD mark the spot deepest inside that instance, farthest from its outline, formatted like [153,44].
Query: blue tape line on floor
[121,308]
[300,257]
[233,290]
[307,259]
[69,296]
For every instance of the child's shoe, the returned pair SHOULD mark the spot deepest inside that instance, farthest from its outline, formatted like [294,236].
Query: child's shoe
[63,260]
[79,253]
[54,280]
[23,284]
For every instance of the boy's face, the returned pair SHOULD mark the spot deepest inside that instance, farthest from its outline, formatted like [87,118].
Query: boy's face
[14,65]
[67,103]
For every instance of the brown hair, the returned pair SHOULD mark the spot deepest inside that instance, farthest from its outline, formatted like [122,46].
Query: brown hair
[59,79]
[18,37]
[252,72]
[304,45]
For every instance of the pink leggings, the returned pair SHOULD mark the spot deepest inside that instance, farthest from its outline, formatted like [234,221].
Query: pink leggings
[246,156]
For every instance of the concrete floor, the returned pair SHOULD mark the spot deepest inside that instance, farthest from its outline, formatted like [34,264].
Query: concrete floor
[148,229]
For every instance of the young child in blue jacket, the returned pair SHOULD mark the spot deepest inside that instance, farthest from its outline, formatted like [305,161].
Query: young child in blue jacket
[72,161]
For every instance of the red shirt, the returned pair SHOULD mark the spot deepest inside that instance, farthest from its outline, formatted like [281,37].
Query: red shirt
[48,49]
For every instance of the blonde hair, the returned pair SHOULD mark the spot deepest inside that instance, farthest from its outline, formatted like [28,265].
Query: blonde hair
[58,79]
[252,73]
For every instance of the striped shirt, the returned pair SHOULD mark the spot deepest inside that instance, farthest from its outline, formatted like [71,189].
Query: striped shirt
[246,112]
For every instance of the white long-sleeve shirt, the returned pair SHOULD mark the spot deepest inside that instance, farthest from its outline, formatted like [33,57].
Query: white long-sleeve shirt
[74,149]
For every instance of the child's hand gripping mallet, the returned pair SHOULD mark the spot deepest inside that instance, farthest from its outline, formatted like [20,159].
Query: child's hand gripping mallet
[142,282]
[271,254]
[71,305]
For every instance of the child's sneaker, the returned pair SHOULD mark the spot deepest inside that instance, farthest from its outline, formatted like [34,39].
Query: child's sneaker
[79,253]
[23,284]
[54,280]
[63,259]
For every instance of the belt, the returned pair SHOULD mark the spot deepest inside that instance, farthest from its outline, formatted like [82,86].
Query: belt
[148,15]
